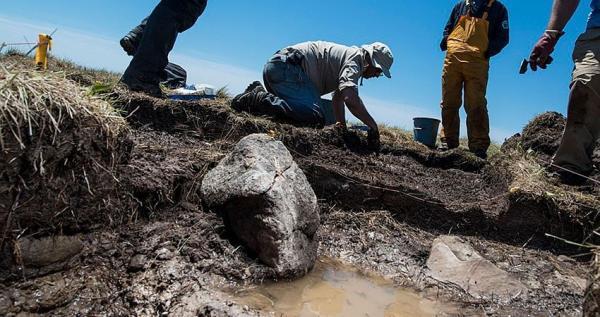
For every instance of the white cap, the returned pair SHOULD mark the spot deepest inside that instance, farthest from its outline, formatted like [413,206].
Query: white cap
[381,57]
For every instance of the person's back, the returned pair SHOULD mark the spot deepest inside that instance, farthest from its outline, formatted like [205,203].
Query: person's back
[331,66]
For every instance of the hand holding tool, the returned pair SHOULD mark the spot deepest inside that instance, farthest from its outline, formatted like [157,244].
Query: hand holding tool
[540,55]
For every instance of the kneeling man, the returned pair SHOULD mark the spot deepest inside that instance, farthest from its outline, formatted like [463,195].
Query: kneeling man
[297,76]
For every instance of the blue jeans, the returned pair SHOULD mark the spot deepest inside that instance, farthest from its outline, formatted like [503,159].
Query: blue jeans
[294,93]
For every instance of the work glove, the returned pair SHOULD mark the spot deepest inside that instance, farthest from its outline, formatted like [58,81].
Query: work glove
[340,128]
[373,141]
[540,56]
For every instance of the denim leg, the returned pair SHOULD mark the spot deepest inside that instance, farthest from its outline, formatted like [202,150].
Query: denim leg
[295,92]
[136,33]
[157,41]
[174,76]
[189,11]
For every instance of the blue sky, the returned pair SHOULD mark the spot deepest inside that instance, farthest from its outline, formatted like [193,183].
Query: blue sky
[232,40]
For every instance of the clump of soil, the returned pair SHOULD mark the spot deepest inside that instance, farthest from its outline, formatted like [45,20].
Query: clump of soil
[60,150]
[537,199]
[542,135]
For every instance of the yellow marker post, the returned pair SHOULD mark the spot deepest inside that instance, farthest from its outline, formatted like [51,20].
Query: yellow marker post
[41,53]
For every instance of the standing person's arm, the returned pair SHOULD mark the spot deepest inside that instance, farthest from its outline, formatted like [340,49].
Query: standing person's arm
[449,27]
[499,32]
[562,11]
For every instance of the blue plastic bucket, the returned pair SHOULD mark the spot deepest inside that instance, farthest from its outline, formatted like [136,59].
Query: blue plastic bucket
[426,130]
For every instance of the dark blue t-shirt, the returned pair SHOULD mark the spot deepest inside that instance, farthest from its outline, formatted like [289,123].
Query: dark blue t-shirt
[594,19]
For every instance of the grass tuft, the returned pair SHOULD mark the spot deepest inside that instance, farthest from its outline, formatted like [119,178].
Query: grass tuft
[35,101]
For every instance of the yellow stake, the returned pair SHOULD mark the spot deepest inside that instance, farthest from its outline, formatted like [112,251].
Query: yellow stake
[41,53]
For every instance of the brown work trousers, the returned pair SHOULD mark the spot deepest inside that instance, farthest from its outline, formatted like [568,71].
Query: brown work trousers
[583,117]
[469,72]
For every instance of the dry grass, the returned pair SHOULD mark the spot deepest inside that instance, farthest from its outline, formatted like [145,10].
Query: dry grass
[36,102]
[401,137]
[530,177]
[56,142]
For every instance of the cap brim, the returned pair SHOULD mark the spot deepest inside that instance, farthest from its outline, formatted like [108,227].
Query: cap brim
[386,72]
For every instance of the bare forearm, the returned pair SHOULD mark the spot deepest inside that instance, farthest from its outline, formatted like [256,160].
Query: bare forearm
[358,109]
[338,107]
[562,11]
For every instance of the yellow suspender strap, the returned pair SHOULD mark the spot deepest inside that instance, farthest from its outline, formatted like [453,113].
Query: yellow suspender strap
[487,10]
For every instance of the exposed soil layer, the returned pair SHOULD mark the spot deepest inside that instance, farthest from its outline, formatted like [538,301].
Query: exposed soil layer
[381,212]
[59,155]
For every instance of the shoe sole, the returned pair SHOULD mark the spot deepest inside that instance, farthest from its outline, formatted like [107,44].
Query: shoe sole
[127,47]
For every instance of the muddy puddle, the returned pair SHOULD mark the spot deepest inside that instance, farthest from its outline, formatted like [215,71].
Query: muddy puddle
[335,289]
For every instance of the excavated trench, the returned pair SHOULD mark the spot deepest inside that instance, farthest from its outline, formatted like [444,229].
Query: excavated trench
[452,191]
[167,254]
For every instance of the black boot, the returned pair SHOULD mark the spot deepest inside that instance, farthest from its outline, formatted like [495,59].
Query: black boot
[151,88]
[247,100]
[129,45]
[131,41]
[569,175]
[482,154]
[255,86]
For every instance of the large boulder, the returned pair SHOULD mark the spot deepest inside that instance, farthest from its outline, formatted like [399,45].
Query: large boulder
[267,203]
[452,260]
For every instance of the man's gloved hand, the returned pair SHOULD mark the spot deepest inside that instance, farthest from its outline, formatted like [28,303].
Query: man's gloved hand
[340,128]
[540,55]
[373,140]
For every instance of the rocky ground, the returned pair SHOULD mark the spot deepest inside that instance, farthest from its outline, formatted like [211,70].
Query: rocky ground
[161,251]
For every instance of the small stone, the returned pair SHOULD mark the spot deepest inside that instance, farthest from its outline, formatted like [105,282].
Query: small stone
[515,260]
[455,261]
[137,263]
[50,250]
[164,254]
[564,258]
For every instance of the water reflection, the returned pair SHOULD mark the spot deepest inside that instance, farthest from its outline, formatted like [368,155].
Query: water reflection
[333,289]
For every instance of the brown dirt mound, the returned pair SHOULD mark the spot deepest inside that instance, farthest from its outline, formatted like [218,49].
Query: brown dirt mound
[537,200]
[542,135]
[60,149]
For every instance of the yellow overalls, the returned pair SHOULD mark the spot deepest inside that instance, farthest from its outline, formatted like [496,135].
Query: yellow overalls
[466,66]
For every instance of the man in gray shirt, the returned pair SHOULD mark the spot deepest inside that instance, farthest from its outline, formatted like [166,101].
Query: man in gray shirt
[297,76]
